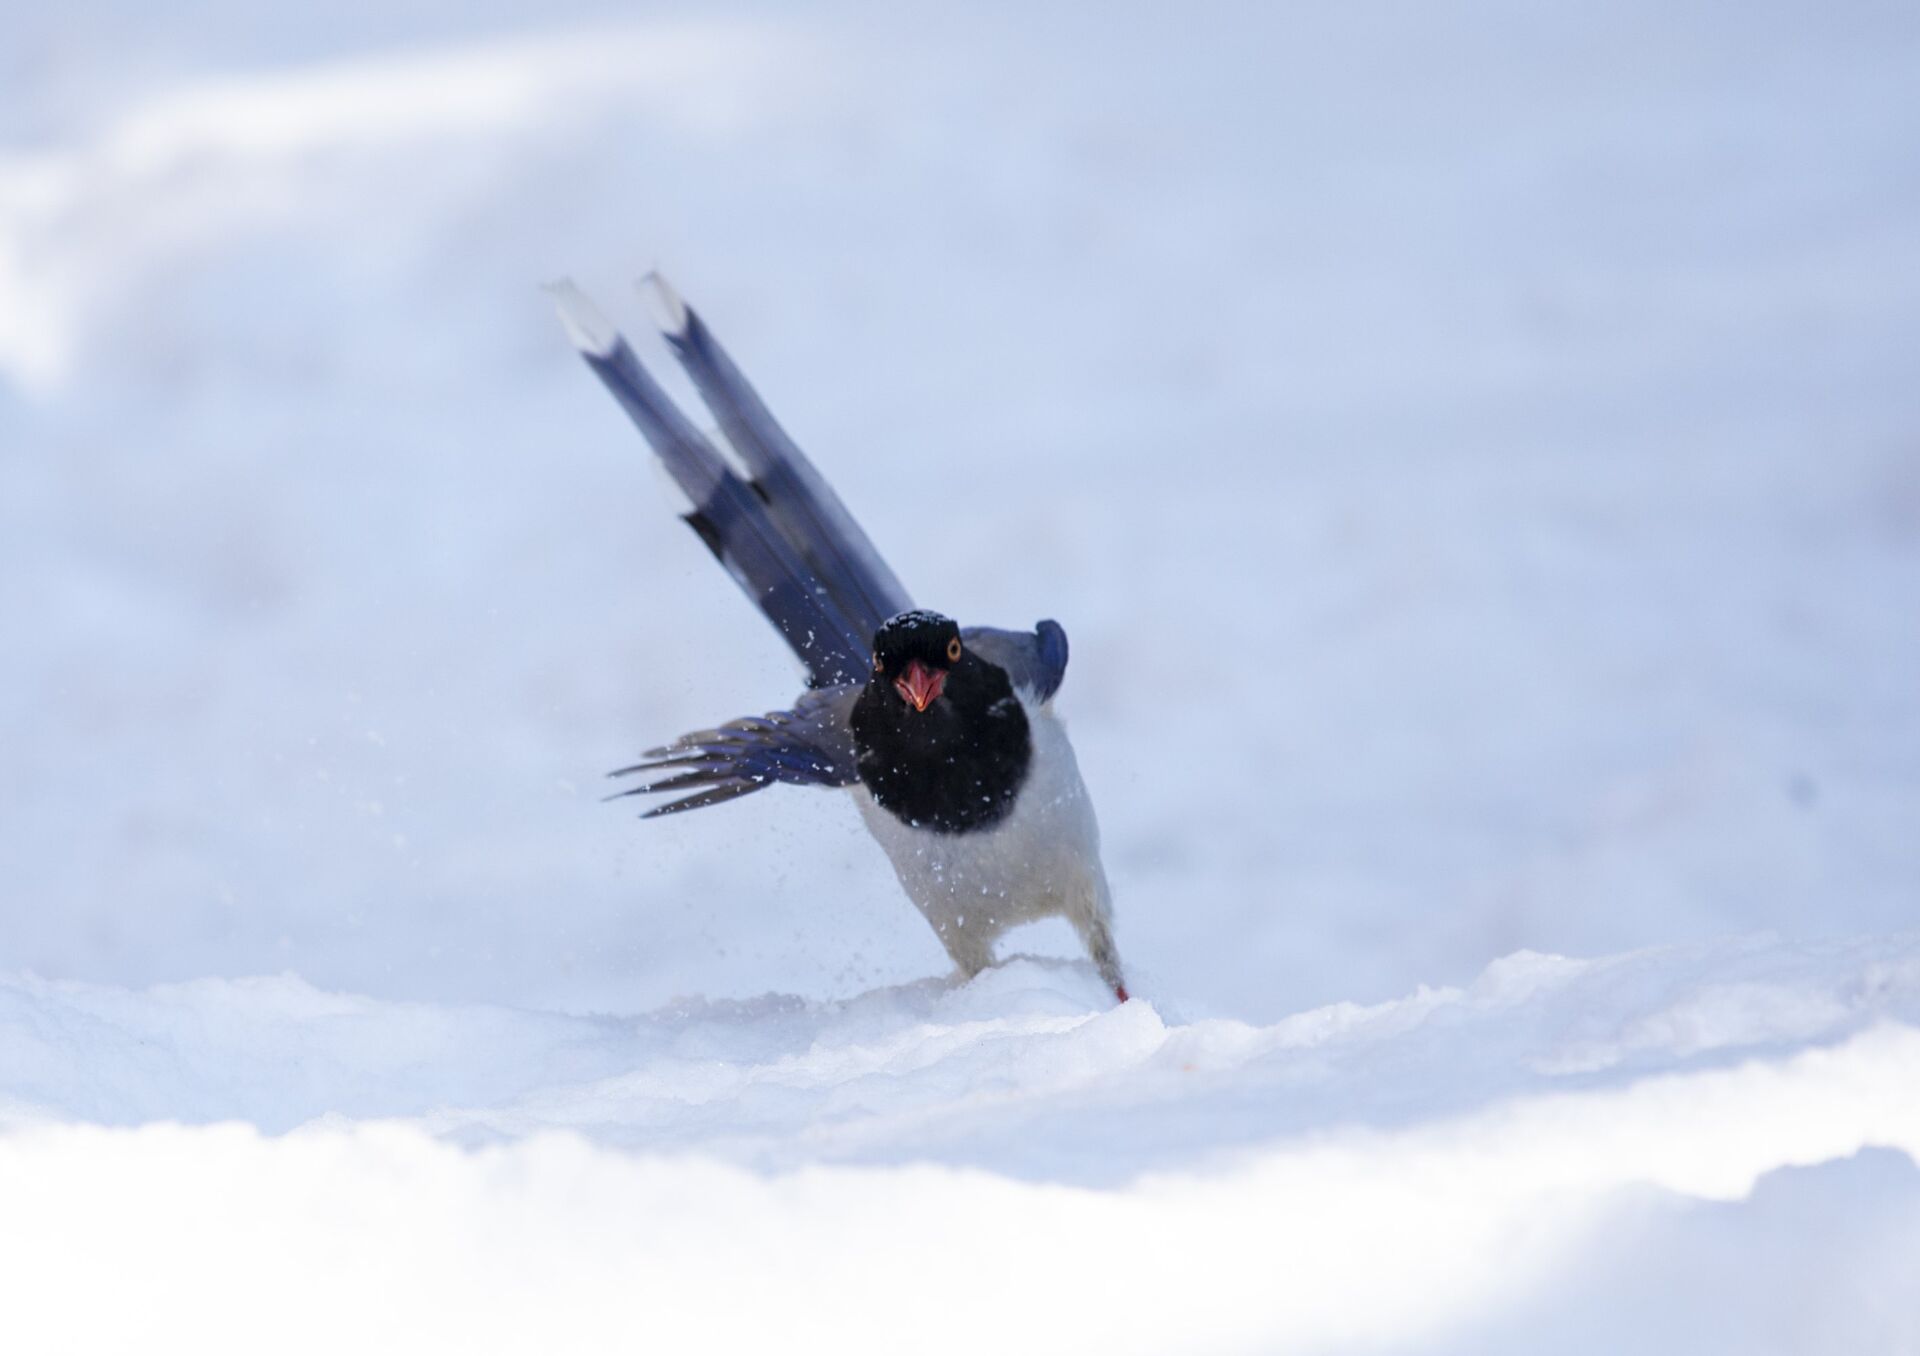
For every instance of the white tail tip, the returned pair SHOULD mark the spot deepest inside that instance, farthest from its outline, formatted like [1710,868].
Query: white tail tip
[590,331]
[669,312]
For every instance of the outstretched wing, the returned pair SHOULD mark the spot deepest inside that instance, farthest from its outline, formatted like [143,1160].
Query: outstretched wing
[783,535]
[811,745]
[1035,660]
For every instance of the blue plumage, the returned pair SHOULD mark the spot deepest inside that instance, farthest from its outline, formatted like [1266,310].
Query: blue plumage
[811,745]
[1035,660]
[945,735]
[769,560]
[791,545]
[798,499]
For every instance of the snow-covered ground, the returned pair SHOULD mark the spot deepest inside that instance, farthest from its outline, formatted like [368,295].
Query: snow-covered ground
[1474,449]
[1722,1135]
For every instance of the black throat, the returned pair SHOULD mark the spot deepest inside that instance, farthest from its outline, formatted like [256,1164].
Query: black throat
[956,767]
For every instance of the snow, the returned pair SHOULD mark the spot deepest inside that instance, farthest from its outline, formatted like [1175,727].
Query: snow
[497,1178]
[1474,452]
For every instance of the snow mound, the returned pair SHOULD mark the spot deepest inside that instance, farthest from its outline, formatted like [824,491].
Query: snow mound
[1535,418]
[1014,1146]
[1030,1069]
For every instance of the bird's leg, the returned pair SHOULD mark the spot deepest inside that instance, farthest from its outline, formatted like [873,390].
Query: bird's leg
[1097,934]
[971,952]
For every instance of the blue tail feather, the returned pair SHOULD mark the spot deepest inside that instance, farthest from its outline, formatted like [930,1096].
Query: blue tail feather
[734,520]
[807,511]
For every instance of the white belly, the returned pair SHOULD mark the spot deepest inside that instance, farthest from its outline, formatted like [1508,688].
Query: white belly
[1043,859]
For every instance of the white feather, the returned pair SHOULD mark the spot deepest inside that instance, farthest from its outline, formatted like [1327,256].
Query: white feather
[669,312]
[587,328]
[1042,860]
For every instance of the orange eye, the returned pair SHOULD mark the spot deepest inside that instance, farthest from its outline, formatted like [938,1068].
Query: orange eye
[953,650]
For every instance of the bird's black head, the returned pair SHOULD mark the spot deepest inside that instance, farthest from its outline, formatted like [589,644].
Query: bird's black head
[916,652]
[940,738]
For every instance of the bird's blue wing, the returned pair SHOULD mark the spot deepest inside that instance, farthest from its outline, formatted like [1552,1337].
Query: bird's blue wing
[730,514]
[1035,660]
[811,745]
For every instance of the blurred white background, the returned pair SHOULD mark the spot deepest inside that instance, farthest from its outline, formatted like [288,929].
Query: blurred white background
[1476,457]
[1475,451]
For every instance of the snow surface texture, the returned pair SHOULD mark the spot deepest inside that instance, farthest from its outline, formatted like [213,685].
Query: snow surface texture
[1475,452]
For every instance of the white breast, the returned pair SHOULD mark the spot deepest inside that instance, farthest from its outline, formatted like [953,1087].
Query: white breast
[1042,859]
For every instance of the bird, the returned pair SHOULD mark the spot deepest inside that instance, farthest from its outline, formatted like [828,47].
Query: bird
[945,735]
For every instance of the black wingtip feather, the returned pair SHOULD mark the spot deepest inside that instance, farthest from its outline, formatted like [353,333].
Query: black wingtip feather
[718,795]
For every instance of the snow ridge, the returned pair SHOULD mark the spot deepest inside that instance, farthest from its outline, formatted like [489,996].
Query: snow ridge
[932,1111]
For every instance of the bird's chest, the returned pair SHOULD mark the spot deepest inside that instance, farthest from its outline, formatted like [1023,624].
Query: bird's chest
[1031,853]
[943,775]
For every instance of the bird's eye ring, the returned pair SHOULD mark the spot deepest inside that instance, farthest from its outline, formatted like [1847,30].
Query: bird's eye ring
[953,650]
[877,665]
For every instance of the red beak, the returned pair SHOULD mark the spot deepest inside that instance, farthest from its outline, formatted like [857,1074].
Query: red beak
[920,684]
